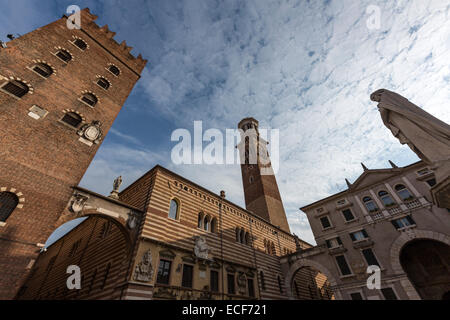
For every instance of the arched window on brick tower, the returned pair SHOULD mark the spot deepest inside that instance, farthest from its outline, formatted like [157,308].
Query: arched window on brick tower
[16,88]
[43,69]
[114,70]
[72,119]
[8,202]
[90,99]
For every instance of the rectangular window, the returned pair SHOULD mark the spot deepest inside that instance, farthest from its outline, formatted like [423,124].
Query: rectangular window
[187,276]
[389,294]
[356,296]
[163,272]
[403,222]
[251,287]
[325,222]
[343,266]
[334,243]
[348,215]
[230,282]
[431,182]
[359,235]
[214,279]
[370,257]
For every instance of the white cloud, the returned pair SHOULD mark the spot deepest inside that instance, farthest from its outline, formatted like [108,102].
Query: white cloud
[306,68]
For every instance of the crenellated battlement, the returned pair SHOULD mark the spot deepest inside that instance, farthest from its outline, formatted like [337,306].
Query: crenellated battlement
[106,38]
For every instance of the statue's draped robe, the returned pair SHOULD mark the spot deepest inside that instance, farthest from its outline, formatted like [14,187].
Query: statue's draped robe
[426,135]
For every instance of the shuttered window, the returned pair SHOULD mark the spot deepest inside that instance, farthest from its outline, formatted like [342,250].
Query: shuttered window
[187,276]
[80,44]
[64,55]
[370,257]
[72,119]
[90,99]
[103,83]
[214,281]
[16,88]
[114,70]
[43,69]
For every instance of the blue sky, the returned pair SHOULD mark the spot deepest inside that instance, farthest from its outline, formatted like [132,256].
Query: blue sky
[304,67]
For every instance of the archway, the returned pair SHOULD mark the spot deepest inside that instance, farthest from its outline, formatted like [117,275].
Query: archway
[310,284]
[307,279]
[396,248]
[98,245]
[427,265]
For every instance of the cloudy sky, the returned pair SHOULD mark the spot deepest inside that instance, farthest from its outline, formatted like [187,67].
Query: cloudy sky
[306,68]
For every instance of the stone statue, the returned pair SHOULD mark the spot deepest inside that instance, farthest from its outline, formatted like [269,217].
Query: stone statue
[242,282]
[426,135]
[144,270]
[133,219]
[116,185]
[201,248]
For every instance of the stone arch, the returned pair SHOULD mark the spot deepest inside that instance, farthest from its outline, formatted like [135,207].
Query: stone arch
[83,118]
[309,263]
[408,236]
[396,248]
[120,222]
[18,194]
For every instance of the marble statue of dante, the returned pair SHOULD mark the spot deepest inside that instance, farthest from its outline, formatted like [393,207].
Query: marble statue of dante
[426,135]
[117,183]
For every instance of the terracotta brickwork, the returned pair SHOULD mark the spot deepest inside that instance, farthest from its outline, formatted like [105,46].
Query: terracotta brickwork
[101,251]
[260,190]
[44,157]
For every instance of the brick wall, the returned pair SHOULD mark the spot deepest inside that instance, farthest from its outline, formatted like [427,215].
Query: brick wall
[43,158]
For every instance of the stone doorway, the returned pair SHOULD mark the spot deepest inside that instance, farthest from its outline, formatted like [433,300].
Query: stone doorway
[427,265]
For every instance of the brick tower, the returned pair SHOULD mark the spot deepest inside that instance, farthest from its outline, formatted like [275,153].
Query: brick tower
[260,189]
[60,91]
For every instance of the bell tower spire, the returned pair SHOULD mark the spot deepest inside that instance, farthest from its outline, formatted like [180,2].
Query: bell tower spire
[262,196]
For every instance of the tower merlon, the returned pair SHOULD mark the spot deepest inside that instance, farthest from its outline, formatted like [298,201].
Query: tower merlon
[105,37]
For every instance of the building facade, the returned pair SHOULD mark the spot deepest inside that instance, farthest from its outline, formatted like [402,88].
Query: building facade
[172,239]
[165,237]
[60,91]
[386,218]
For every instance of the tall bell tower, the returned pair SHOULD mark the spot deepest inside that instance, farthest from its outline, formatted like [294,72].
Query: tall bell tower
[61,89]
[262,196]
